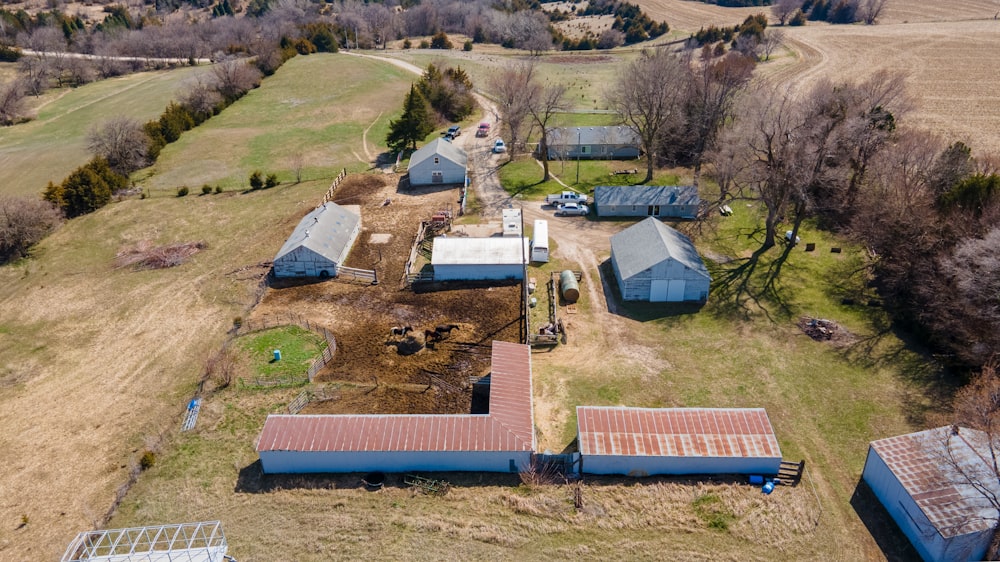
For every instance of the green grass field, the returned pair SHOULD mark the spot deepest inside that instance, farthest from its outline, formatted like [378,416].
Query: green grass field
[313,111]
[54,144]
[299,348]
[523,176]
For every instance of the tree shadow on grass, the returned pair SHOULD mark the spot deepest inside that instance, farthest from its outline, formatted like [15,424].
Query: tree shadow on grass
[890,539]
[743,286]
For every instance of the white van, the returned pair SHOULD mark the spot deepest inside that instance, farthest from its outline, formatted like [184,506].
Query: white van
[540,241]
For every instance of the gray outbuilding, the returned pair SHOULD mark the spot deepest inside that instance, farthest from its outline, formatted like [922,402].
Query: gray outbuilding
[653,262]
[479,259]
[665,201]
[438,163]
[935,484]
[610,143]
[319,244]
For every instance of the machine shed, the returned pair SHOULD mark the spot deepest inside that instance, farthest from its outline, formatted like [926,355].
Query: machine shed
[647,441]
[653,262]
[475,259]
[438,163]
[934,484]
[320,243]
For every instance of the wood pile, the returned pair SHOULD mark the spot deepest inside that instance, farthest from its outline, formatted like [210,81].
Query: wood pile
[144,255]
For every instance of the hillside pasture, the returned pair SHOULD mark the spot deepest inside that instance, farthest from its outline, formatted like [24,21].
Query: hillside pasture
[54,143]
[314,113]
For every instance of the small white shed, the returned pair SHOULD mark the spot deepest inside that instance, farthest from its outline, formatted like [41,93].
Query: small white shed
[320,243]
[653,262]
[501,441]
[926,481]
[511,222]
[438,163]
[475,259]
[647,441]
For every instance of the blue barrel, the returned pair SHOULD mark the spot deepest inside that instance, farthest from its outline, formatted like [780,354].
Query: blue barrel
[277,355]
[756,479]
[768,487]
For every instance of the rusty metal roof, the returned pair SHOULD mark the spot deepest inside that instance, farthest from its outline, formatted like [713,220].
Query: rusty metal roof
[676,432]
[508,427]
[937,468]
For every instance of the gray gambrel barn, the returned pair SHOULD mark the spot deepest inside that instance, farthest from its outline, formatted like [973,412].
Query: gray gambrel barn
[436,163]
[571,143]
[668,201]
[319,244]
[653,262]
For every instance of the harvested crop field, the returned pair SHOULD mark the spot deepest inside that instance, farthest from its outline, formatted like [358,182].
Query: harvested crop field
[687,15]
[382,372]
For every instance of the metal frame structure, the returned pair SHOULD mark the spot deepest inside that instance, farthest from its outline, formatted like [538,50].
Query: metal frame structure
[184,542]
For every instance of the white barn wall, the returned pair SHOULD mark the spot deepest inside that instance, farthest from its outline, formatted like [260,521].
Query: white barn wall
[293,462]
[649,465]
[304,262]
[451,172]
[911,519]
[477,272]
[638,286]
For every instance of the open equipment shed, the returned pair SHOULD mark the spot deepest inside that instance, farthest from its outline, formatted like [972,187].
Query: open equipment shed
[647,441]
[925,481]
[653,262]
[184,542]
[319,244]
[477,259]
[501,441]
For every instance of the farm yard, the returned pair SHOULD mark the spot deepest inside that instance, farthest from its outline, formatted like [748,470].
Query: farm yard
[123,351]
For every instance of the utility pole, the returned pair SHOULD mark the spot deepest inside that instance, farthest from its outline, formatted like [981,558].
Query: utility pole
[578,148]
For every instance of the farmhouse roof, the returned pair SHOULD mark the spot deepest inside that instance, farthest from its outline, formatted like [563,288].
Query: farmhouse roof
[326,230]
[449,250]
[508,427]
[610,135]
[649,242]
[920,462]
[676,432]
[645,195]
[439,147]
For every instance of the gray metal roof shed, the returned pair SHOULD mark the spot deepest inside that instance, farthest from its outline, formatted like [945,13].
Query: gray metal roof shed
[325,234]
[680,201]
[650,242]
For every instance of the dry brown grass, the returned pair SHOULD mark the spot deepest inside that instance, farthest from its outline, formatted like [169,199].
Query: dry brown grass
[690,15]
[144,255]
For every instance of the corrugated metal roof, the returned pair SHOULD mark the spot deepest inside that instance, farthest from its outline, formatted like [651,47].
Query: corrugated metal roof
[508,427]
[646,195]
[921,463]
[649,242]
[326,230]
[612,135]
[439,147]
[449,250]
[676,432]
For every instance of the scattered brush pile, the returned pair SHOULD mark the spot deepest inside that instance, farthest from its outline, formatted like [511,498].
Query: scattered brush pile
[824,330]
[144,255]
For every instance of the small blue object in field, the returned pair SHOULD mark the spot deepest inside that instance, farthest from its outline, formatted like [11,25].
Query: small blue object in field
[768,487]
[277,355]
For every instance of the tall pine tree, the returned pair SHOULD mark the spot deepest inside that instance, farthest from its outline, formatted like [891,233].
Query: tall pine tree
[413,125]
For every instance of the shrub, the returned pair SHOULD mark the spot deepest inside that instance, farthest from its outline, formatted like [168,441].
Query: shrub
[218,189]
[441,41]
[206,189]
[272,181]
[182,191]
[424,44]
[86,189]
[798,19]
[407,44]
[147,460]
[23,223]
[467,46]
[256,180]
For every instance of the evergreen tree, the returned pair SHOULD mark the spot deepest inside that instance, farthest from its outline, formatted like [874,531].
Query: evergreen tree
[413,125]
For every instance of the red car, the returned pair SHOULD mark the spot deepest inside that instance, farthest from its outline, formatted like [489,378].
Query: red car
[483,130]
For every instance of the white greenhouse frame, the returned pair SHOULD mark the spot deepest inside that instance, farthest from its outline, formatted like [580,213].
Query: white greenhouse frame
[184,542]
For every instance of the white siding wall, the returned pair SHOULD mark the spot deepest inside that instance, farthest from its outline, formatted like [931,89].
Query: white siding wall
[297,462]
[666,211]
[471,272]
[303,262]
[912,521]
[637,287]
[646,466]
[452,173]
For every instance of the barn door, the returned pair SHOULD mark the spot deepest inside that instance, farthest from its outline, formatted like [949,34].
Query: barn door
[658,290]
[676,292]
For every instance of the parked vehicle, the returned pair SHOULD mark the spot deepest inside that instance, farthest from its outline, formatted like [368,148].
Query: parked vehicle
[572,210]
[454,131]
[483,130]
[565,197]
[499,147]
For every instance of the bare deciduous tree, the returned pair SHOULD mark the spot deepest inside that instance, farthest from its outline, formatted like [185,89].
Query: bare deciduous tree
[24,222]
[510,87]
[234,77]
[648,99]
[870,10]
[773,38]
[783,9]
[122,142]
[11,102]
[543,103]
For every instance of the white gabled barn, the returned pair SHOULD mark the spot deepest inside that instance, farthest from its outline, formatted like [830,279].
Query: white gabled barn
[320,243]
[479,259]
[653,262]
[501,441]
[924,480]
[438,163]
[648,441]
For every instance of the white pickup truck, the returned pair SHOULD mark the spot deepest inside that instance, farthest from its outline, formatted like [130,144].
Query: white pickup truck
[565,197]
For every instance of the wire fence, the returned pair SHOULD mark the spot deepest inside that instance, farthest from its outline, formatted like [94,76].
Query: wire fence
[288,319]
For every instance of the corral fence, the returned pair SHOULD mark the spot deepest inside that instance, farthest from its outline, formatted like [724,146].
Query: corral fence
[321,394]
[333,186]
[288,319]
[410,276]
[367,276]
